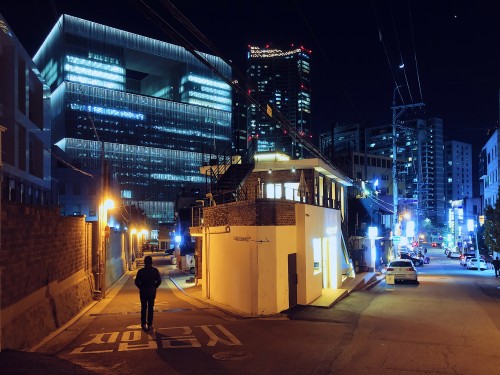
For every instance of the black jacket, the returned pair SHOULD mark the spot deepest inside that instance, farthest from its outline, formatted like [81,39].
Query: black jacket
[148,279]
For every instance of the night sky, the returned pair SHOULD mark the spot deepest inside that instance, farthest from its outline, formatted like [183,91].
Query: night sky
[356,46]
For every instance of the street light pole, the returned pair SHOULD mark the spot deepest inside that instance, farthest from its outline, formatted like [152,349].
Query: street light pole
[396,112]
[394,171]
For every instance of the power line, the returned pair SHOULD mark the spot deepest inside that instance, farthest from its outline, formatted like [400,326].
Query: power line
[400,53]
[415,51]
[342,88]
[382,40]
[276,115]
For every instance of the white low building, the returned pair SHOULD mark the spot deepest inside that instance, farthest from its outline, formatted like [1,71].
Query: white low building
[283,244]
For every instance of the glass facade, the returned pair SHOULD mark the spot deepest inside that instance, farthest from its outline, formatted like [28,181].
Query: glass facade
[157,109]
[281,78]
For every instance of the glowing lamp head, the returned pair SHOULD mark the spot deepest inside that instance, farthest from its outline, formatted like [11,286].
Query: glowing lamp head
[372,232]
[109,204]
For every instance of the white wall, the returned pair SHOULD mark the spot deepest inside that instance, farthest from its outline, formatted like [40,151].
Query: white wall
[320,225]
[246,268]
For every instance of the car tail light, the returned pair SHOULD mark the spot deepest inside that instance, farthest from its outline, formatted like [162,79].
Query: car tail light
[390,269]
[410,269]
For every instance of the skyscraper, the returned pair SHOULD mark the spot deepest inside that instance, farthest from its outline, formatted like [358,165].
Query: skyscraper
[279,79]
[151,109]
[458,170]
[419,153]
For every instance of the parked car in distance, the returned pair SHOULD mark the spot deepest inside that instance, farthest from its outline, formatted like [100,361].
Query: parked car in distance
[464,259]
[170,251]
[454,255]
[472,264]
[415,259]
[402,270]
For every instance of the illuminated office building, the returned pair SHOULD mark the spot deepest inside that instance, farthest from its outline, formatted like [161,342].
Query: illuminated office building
[280,78]
[157,109]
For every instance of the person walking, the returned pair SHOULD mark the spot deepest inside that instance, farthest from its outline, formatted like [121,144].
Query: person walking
[148,279]
[496,265]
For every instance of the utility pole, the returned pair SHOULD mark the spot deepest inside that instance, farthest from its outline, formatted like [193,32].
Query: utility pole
[397,111]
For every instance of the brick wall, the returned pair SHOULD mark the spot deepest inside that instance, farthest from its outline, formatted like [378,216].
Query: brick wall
[39,247]
[262,212]
[46,270]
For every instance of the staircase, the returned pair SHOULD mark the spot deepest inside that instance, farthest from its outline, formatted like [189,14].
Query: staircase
[228,176]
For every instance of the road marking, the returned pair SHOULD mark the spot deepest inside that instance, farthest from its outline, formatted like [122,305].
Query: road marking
[164,338]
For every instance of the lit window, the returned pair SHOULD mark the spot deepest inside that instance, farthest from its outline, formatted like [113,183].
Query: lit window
[292,191]
[273,191]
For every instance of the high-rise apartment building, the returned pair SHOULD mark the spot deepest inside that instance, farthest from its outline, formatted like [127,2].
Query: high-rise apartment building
[428,163]
[419,155]
[151,109]
[280,78]
[25,158]
[458,170]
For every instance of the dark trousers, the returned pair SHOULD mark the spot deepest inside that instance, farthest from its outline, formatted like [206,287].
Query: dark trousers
[147,304]
[497,272]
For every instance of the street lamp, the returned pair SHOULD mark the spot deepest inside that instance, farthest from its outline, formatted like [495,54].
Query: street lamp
[104,233]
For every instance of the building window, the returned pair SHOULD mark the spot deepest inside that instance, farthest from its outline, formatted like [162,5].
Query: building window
[273,191]
[320,190]
[292,191]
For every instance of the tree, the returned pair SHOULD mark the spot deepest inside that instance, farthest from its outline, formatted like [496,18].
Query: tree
[492,226]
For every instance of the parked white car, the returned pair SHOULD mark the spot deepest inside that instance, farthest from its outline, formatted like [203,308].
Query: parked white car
[472,264]
[402,270]
[464,259]
[454,255]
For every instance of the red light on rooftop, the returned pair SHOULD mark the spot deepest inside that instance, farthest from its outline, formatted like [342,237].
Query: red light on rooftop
[267,45]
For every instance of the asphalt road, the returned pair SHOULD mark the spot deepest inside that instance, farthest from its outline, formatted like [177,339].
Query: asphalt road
[448,324]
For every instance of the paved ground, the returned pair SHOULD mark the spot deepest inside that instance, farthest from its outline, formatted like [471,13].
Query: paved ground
[43,359]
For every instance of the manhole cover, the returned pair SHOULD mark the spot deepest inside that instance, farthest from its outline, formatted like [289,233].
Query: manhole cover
[232,356]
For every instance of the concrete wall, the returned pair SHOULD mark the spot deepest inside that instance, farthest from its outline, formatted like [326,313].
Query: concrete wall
[246,267]
[317,226]
[46,272]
